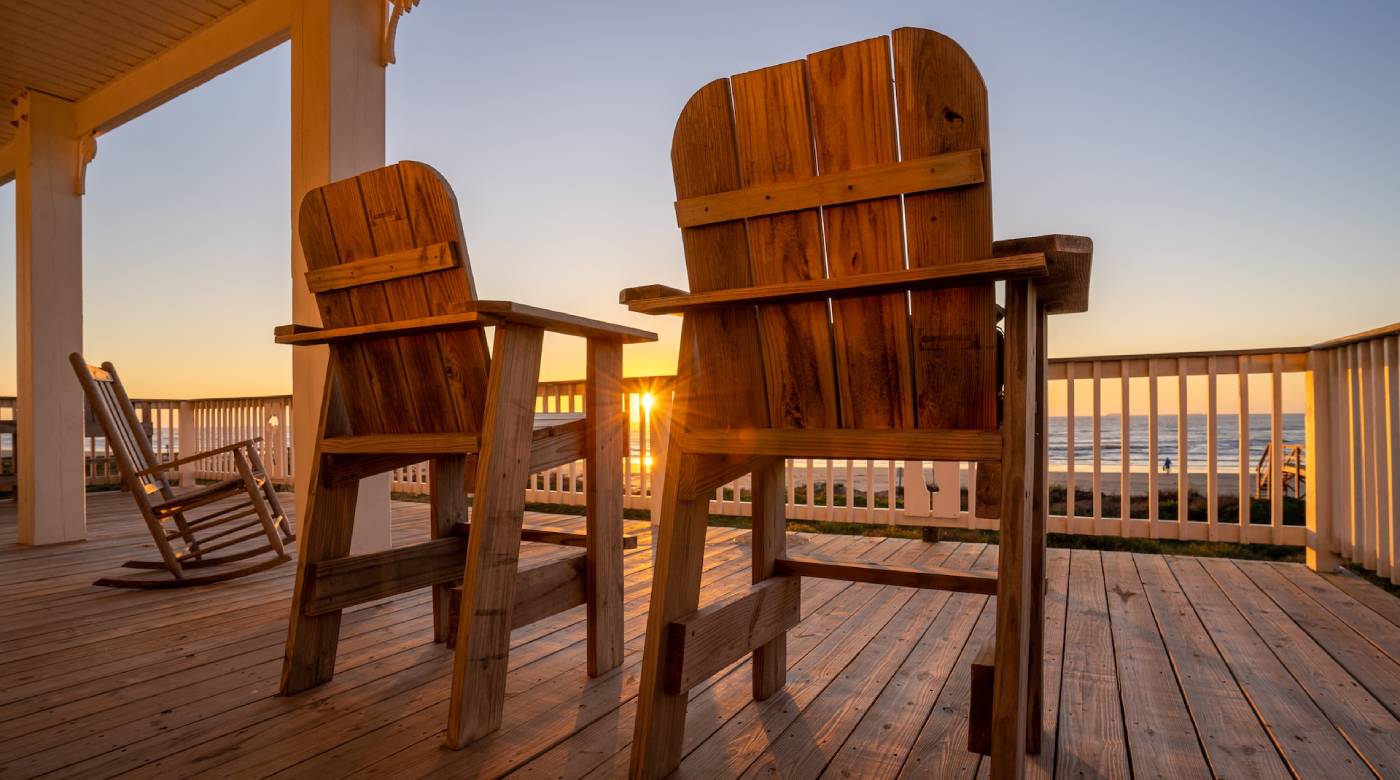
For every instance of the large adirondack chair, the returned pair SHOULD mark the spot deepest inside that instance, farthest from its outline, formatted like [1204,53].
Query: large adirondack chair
[410,379]
[817,184]
[227,529]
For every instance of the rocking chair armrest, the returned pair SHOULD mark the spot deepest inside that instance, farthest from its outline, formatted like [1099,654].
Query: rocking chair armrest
[469,315]
[659,299]
[170,465]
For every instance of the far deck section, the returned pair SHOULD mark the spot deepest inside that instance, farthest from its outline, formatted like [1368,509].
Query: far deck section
[1203,666]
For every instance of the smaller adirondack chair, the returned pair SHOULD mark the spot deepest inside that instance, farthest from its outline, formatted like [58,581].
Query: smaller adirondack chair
[410,380]
[201,536]
[838,242]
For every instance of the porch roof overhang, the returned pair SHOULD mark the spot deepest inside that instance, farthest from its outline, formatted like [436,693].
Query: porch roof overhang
[118,60]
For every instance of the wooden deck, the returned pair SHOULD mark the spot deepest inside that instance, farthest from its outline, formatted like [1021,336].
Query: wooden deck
[1156,666]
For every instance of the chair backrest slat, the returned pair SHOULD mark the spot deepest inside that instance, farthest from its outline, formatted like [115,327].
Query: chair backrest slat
[943,108]
[720,356]
[121,428]
[853,127]
[774,135]
[872,362]
[411,384]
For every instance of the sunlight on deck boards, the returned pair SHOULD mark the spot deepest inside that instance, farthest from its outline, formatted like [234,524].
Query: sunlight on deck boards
[1197,663]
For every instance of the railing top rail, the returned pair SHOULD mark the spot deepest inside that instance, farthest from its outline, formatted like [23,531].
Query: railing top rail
[1365,335]
[1171,355]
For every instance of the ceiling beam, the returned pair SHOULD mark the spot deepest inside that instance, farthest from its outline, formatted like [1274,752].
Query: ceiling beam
[232,40]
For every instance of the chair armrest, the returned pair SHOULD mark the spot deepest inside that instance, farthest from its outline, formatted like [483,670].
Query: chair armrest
[657,299]
[647,292]
[471,314]
[171,465]
[558,322]
[1065,290]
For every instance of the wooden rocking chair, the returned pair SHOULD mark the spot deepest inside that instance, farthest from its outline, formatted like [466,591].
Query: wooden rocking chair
[410,380]
[838,239]
[214,543]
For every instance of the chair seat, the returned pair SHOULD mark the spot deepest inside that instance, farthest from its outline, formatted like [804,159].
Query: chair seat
[199,497]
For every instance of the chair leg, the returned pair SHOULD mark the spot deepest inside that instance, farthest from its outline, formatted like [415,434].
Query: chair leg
[1035,672]
[675,592]
[603,485]
[769,542]
[326,529]
[259,502]
[447,480]
[493,547]
[1010,699]
[270,493]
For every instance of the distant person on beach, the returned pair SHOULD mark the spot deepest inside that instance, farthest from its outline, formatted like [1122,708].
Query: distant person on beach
[1168,465]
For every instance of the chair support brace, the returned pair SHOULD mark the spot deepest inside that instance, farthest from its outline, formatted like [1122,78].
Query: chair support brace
[344,582]
[941,171]
[719,634]
[931,577]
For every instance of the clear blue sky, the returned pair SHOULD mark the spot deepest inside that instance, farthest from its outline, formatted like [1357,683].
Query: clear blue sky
[1235,164]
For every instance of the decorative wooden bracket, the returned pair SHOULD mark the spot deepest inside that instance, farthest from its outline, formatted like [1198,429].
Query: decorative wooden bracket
[87,150]
[386,49]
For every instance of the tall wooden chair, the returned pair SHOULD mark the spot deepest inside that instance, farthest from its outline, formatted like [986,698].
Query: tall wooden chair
[410,380]
[838,241]
[220,544]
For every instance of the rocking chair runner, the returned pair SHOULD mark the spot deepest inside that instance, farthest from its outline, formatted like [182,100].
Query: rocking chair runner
[795,194]
[410,380]
[211,542]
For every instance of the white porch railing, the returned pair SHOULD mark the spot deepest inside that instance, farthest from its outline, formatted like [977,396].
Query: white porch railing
[1349,470]
[1085,453]
[1354,429]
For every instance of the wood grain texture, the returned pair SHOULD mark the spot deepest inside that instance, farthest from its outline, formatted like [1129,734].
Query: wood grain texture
[488,586]
[766,198]
[854,127]
[1235,742]
[430,208]
[769,543]
[657,740]
[1283,705]
[722,349]
[657,299]
[1069,260]
[712,638]
[837,442]
[465,317]
[448,501]
[309,658]
[775,147]
[542,589]
[390,362]
[1014,589]
[967,581]
[943,109]
[1163,738]
[176,684]
[392,265]
[605,441]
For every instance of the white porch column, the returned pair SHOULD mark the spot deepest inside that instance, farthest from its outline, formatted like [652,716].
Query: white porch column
[49,305]
[337,131]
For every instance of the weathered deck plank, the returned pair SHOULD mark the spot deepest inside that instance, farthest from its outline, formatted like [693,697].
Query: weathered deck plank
[102,683]
[1091,717]
[1161,737]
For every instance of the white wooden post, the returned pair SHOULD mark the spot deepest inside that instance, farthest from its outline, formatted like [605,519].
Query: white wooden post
[916,494]
[189,443]
[49,308]
[1317,437]
[337,131]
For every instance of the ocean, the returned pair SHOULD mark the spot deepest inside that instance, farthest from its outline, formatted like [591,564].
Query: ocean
[1227,440]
